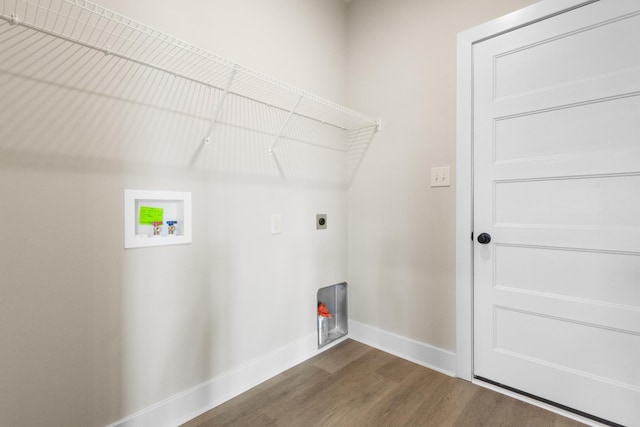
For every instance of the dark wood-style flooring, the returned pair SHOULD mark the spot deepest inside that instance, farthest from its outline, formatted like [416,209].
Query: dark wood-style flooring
[355,385]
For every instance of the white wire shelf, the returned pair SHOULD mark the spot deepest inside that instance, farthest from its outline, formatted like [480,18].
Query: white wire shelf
[78,45]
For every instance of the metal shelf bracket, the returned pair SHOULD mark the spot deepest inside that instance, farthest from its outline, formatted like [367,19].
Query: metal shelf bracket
[284,124]
[216,112]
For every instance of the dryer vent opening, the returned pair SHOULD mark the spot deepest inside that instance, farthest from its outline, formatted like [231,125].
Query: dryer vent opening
[332,313]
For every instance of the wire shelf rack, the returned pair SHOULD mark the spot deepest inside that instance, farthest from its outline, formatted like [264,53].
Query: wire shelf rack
[79,46]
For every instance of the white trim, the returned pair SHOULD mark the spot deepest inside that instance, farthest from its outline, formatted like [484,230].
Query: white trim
[464,213]
[187,405]
[464,159]
[423,354]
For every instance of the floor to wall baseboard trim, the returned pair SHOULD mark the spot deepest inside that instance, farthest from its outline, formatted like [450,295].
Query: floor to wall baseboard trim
[423,354]
[185,406]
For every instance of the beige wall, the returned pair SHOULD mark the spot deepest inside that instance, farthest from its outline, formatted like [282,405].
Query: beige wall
[90,332]
[300,42]
[402,68]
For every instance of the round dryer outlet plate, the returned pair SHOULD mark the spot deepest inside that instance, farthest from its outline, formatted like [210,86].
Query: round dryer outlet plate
[321,221]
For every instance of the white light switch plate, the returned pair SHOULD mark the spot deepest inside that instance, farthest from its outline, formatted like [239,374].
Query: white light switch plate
[441,176]
[276,224]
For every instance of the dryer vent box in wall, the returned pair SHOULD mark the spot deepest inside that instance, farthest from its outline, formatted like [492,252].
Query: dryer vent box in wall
[156,218]
[333,318]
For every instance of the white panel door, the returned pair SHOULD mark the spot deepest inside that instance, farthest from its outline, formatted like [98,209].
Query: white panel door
[557,187]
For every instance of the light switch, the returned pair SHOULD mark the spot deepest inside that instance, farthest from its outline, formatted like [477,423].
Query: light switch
[441,176]
[276,224]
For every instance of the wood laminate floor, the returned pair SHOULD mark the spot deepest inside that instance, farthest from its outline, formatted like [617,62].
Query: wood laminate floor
[355,385]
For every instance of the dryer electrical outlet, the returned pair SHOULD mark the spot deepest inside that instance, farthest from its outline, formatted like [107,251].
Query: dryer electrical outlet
[321,221]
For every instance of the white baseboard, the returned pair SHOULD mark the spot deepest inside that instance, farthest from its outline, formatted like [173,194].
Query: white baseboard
[423,354]
[185,406]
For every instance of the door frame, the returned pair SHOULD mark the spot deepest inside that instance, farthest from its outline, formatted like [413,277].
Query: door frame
[464,162]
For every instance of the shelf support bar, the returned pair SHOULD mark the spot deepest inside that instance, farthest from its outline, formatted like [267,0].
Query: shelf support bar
[284,125]
[216,112]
